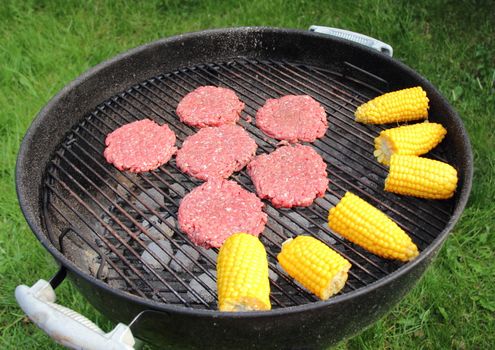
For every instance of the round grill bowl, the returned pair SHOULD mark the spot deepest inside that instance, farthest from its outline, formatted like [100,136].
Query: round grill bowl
[258,63]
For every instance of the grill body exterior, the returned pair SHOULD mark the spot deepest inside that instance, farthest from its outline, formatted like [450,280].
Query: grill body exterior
[307,326]
[313,326]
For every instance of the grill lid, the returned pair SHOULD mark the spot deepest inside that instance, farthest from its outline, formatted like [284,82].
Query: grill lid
[112,224]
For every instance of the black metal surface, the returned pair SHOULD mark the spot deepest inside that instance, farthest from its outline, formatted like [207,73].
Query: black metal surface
[111,207]
[317,327]
[80,190]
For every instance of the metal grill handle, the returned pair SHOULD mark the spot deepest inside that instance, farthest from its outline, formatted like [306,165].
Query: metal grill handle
[66,326]
[356,37]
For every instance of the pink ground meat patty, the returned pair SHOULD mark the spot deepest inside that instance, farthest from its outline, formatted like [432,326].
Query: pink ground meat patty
[140,146]
[292,118]
[216,152]
[212,212]
[210,106]
[290,176]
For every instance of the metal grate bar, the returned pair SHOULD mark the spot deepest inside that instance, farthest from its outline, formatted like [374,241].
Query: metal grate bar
[260,146]
[109,245]
[289,281]
[349,258]
[170,212]
[325,80]
[375,129]
[272,255]
[79,174]
[327,158]
[258,135]
[376,165]
[329,90]
[366,159]
[109,261]
[153,211]
[178,231]
[311,76]
[126,229]
[367,73]
[261,100]
[137,210]
[318,85]
[284,224]
[142,203]
[295,84]
[330,104]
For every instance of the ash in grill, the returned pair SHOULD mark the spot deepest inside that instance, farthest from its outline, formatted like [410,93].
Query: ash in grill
[122,227]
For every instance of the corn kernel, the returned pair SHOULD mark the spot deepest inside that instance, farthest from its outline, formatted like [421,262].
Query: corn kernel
[421,177]
[316,266]
[402,105]
[242,274]
[416,139]
[377,233]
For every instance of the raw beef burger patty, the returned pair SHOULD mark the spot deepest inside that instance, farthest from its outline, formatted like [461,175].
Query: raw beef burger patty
[140,146]
[292,118]
[212,212]
[210,106]
[290,176]
[216,152]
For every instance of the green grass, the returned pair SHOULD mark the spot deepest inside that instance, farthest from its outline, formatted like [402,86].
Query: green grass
[46,44]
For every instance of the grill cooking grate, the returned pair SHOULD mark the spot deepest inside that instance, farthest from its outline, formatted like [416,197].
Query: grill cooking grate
[110,223]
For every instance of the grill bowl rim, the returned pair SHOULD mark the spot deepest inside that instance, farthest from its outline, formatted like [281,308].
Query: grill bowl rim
[158,306]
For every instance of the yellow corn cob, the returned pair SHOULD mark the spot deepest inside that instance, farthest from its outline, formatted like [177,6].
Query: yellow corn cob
[363,224]
[318,268]
[411,140]
[242,274]
[421,177]
[396,106]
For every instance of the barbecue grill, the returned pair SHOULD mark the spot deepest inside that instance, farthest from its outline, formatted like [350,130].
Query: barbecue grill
[98,222]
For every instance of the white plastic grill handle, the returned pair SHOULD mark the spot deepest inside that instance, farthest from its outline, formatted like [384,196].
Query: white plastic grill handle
[356,37]
[66,326]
